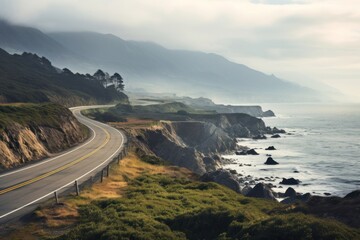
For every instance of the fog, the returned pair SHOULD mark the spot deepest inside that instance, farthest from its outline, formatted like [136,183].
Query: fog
[303,41]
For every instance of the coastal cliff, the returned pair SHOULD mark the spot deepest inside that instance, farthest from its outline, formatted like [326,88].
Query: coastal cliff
[197,143]
[31,132]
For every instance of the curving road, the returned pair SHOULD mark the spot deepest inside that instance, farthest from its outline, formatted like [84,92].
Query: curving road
[21,190]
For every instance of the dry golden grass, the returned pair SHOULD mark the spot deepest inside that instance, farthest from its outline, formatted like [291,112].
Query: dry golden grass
[55,219]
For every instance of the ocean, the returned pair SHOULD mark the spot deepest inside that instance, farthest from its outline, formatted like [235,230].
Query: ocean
[322,143]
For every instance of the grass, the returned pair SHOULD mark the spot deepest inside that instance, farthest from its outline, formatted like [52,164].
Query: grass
[29,113]
[146,201]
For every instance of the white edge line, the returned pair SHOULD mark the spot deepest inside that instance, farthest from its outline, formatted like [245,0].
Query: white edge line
[54,158]
[72,182]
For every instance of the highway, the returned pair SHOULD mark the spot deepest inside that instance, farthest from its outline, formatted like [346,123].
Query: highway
[22,189]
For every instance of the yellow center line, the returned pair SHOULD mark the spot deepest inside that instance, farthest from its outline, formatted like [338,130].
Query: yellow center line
[59,169]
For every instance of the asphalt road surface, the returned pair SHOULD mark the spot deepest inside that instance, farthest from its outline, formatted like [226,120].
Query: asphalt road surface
[22,189]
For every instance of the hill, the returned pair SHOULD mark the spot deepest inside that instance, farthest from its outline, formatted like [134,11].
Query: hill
[156,68]
[29,132]
[153,67]
[30,78]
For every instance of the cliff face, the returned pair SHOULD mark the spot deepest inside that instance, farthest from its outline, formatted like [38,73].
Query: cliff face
[235,125]
[33,139]
[194,145]
[197,142]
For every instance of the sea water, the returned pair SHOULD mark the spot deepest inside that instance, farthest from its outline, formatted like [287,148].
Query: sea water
[322,144]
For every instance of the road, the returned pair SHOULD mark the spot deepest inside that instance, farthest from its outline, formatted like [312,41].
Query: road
[21,190]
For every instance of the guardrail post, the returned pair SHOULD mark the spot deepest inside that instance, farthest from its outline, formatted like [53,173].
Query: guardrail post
[102,175]
[56,197]
[77,188]
[108,170]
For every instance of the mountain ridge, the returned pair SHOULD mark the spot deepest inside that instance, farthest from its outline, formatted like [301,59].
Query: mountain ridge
[156,68]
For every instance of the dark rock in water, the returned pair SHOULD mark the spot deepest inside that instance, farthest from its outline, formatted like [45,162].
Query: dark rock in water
[290,192]
[276,136]
[353,195]
[268,113]
[260,137]
[247,152]
[327,194]
[270,161]
[252,152]
[232,171]
[216,157]
[290,181]
[268,155]
[276,130]
[261,191]
[296,171]
[240,153]
[222,177]
[271,148]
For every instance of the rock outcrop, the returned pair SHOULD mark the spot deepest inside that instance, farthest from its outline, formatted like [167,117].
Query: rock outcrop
[271,161]
[224,178]
[261,190]
[270,148]
[247,152]
[21,142]
[346,210]
[290,181]
[194,145]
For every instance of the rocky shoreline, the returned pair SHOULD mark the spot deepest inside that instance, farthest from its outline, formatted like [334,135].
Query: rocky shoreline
[198,144]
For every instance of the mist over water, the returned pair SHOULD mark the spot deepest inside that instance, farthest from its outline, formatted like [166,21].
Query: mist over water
[323,146]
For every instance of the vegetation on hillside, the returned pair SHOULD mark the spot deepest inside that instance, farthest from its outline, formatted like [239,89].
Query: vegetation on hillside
[158,206]
[29,78]
[25,114]
[146,201]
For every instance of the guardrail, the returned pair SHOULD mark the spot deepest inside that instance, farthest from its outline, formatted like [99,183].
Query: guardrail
[75,186]
[91,177]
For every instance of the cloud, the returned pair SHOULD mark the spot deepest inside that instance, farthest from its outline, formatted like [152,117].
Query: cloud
[278,2]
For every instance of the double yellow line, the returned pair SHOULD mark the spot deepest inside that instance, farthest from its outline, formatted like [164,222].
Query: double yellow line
[59,169]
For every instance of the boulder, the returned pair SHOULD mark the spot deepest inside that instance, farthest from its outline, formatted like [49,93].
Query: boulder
[271,161]
[252,152]
[240,153]
[260,137]
[353,195]
[298,198]
[290,192]
[290,181]
[270,148]
[224,178]
[276,130]
[276,136]
[246,190]
[261,190]
[247,152]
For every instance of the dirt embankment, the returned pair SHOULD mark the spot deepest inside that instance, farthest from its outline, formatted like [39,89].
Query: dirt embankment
[32,132]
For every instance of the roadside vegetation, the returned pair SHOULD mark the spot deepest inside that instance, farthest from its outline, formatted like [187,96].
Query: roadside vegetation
[46,114]
[148,201]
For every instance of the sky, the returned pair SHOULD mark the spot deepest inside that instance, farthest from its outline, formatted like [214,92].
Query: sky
[306,41]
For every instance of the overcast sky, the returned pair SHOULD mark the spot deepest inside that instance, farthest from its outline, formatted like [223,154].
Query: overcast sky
[299,40]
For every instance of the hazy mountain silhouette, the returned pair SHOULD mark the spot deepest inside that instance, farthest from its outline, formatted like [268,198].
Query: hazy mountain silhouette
[154,68]
[29,78]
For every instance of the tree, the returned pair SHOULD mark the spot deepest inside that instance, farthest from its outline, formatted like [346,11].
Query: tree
[101,77]
[118,81]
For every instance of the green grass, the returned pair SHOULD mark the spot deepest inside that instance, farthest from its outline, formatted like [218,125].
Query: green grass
[29,113]
[164,207]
